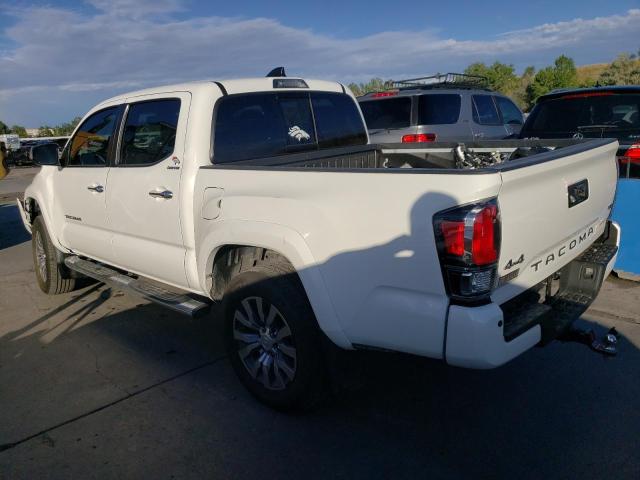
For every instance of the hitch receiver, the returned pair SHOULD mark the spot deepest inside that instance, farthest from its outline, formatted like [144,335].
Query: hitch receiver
[607,345]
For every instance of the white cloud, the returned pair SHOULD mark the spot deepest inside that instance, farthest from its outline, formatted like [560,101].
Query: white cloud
[126,44]
[136,9]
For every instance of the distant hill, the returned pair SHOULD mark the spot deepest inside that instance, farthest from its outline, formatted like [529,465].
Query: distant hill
[591,73]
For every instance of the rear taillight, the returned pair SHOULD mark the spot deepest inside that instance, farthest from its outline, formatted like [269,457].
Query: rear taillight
[419,138]
[587,94]
[632,155]
[384,94]
[468,242]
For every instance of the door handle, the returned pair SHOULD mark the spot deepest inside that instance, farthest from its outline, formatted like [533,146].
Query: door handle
[163,194]
[96,188]
[478,135]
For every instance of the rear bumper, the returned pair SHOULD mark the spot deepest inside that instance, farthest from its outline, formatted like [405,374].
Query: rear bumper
[476,336]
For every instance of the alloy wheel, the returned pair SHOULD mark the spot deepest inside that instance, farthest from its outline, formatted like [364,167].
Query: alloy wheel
[264,343]
[41,257]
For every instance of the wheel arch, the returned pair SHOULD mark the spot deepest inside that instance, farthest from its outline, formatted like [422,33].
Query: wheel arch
[247,239]
[34,207]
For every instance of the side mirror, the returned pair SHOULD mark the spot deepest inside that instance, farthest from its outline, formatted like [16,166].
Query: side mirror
[46,154]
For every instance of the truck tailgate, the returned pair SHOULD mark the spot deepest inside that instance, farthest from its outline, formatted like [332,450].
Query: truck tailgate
[552,207]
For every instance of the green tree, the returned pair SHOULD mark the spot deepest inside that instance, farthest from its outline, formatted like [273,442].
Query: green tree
[624,70]
[503,78]
[565,73]
[355,89]
[500,76]
[542,83]
[562,74]
[20,131]
[519,95]
[68,128]
[61,130]
[373,85]
[3,128]
[45,131]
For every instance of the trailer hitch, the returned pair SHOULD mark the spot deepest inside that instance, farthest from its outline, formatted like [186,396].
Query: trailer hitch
[606,345]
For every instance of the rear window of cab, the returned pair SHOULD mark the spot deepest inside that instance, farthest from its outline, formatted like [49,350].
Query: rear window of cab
[260,125]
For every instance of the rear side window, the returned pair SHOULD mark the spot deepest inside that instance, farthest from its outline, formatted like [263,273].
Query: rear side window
[484,110]
[149,134]
[338,120]
[256,126]
[438,109]
[270,124]
[89,146]
[387,113]
[511,114]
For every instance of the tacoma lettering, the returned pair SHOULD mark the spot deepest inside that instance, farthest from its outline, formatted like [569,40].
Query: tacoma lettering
[551,257]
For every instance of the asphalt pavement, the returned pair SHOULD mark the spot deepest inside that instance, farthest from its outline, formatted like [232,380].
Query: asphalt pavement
[98,384]
[17,180]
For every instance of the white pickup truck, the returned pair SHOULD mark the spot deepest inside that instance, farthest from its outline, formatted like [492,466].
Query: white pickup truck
[265,194]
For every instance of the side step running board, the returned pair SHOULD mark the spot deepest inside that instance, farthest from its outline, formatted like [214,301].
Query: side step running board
[179,302]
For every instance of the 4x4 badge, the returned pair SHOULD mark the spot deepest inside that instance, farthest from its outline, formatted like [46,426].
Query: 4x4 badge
[511,263]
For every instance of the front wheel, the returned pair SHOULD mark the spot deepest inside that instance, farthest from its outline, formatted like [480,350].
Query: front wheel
[272,338]
[52,275]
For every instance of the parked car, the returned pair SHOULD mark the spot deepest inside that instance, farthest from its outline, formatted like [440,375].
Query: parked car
[601,112]
[265,194]
[12,145]
[23,155]
[451,107]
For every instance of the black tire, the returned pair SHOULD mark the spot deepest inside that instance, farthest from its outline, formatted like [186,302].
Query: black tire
[52,275]
[278,286]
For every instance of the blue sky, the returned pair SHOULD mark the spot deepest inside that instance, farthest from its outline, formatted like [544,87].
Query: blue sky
[60,58]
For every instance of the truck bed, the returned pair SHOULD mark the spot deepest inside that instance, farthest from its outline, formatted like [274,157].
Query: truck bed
[436,157]
[371,230]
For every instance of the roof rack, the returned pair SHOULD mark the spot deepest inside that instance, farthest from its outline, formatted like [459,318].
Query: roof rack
[441,80]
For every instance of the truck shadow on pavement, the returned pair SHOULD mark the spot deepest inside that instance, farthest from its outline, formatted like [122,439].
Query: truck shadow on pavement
[558,412]
[100,377]
[12,231]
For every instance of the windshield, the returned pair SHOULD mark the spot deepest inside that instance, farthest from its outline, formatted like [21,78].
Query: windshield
[588,115]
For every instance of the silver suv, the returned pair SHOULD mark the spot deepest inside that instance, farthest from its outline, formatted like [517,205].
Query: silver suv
[443,107]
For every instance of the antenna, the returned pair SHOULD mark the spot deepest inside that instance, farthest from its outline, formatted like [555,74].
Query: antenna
[277,72]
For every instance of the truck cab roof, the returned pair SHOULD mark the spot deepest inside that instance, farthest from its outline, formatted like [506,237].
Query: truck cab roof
[233,86]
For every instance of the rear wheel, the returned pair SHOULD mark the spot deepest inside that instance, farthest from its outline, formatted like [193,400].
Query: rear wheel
[272,338]
[52,275]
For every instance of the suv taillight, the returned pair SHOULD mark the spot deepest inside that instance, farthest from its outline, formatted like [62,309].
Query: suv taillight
[384,94]
[468,242]
[419,138]
[632,155]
